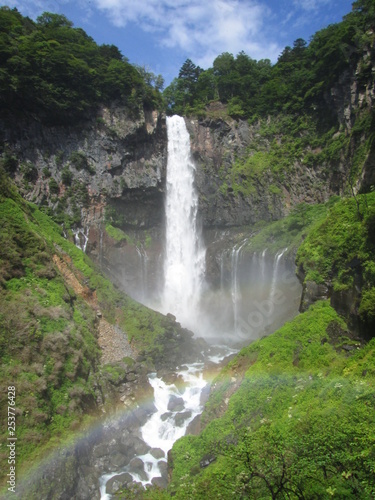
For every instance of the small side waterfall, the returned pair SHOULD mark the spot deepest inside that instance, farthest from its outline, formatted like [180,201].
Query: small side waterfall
[184,263]
[236,290]
[81,237]
[143,261]
[275,273]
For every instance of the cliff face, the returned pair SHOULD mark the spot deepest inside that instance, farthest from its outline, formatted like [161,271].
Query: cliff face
[109,169]
[217,145]
[111,159]
[112,168]
[234,192]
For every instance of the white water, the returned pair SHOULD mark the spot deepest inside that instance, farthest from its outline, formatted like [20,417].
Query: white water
[184,264]
[184,268]
[143,260]
[236,290]
[276,272]
[81,238]
[161,429]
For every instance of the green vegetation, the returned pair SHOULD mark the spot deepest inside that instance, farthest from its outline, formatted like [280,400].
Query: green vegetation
[291,416]
[340,251]
[50,68]
[118,234]
[295,84]
[295,124]
[49,328]
[48,344]
[288,146]
[290,231]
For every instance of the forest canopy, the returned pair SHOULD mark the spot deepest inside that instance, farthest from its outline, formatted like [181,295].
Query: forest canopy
[58,72]
[298,80]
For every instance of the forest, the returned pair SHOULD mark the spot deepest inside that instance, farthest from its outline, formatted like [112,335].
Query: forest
[296,83]
[56,72]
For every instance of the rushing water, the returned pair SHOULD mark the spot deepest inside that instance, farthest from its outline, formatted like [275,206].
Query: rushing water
[254,285]
[176,406]
[236,290]
[184,268]
[184,254]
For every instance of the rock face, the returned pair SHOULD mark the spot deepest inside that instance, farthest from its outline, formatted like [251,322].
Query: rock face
[112,159]
[215,145]
[112,169]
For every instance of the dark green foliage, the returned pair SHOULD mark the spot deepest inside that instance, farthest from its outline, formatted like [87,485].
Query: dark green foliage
[66,177]
[79,160]
[48,329]
[58,71]
[291,416]
[10,163]
[53,186]
[297,82]
[340,252]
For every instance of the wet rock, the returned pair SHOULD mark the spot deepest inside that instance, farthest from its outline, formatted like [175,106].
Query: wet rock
[311,293]
[88,483]
[157,453]
[165,416]
[136,446]
[100,450]
[160,482]
[194,427]
[175,403]
[173,378]
[163,467]
[180,418]
[348,347]
[117,482]
[138,467]
[117,461]
[207,460]
[205,394]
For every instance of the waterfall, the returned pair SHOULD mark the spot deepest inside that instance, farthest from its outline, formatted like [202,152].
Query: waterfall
[184,263]
[263,264]
[143,261]
[81,238]
[236,290]
[275,273]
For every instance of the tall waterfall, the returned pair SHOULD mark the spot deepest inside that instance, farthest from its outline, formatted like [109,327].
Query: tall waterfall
[184,263]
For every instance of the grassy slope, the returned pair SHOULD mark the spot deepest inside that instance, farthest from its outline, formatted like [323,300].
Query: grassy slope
[302,419]
[48,332]
[341,252]
[294,413]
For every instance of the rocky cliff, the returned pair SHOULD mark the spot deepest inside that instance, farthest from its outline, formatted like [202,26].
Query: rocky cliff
[105,177]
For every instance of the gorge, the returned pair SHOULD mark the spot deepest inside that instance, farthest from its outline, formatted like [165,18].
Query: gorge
[187,300]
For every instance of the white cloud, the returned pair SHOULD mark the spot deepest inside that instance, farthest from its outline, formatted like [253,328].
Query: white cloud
[199,29]
[33,8]
[310,5]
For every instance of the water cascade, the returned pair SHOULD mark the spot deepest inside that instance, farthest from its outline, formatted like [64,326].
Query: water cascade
[236,290]
[143,265]
[81,238]
[184,263]
[184,267]
[275,273]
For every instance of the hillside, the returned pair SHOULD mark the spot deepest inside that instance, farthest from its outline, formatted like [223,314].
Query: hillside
[69,341]
[292,415]
[284,163]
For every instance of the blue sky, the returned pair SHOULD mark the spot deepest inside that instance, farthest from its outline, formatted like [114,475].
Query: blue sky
[162,34]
